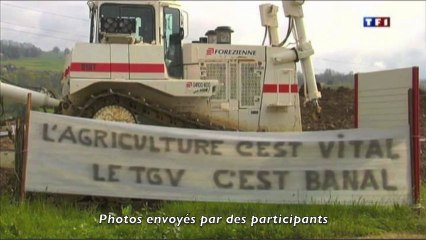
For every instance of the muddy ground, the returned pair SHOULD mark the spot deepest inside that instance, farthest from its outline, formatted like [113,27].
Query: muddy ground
[337,113]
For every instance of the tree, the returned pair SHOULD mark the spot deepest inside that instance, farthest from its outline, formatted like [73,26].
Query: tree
[56,50]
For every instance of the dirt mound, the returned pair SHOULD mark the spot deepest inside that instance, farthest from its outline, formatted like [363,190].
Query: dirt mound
[336,110]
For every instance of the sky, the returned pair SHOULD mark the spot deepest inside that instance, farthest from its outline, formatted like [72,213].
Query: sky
[335,29]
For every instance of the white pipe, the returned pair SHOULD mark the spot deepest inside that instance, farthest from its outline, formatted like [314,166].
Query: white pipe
[294,9]
[19,95]
[268,18]
[273,36]
[307,67]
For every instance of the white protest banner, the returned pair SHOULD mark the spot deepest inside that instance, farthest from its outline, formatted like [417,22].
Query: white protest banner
[87,157]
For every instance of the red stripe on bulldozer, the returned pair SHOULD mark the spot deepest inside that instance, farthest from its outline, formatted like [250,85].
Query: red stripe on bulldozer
[280,88]
[147,68]
[118,67]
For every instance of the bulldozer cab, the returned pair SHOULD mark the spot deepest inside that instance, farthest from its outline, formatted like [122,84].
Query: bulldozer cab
[142,22]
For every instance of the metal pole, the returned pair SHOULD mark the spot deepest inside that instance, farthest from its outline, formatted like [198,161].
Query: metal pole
[25,149]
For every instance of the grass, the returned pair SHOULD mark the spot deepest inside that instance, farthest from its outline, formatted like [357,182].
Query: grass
[48,61]
[44,218]
[347,84]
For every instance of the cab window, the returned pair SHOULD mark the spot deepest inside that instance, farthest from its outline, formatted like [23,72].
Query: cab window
[143,16]
[172,42]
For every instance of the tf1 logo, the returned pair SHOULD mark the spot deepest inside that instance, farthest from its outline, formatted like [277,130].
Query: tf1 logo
[376,21]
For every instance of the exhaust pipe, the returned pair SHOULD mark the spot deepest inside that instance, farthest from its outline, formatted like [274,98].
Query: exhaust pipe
[19,95]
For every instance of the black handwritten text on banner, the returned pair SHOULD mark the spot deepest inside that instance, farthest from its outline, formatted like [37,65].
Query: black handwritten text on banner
[87,157]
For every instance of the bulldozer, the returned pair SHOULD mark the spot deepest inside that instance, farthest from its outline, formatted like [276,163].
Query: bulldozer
[136,68]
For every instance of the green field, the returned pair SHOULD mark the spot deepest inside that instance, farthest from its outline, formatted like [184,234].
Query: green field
[47,61]
[47,217]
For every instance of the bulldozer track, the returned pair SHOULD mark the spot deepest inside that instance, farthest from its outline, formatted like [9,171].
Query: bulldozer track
[145,112]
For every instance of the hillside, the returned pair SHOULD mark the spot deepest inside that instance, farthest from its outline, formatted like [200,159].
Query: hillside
[47,61]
